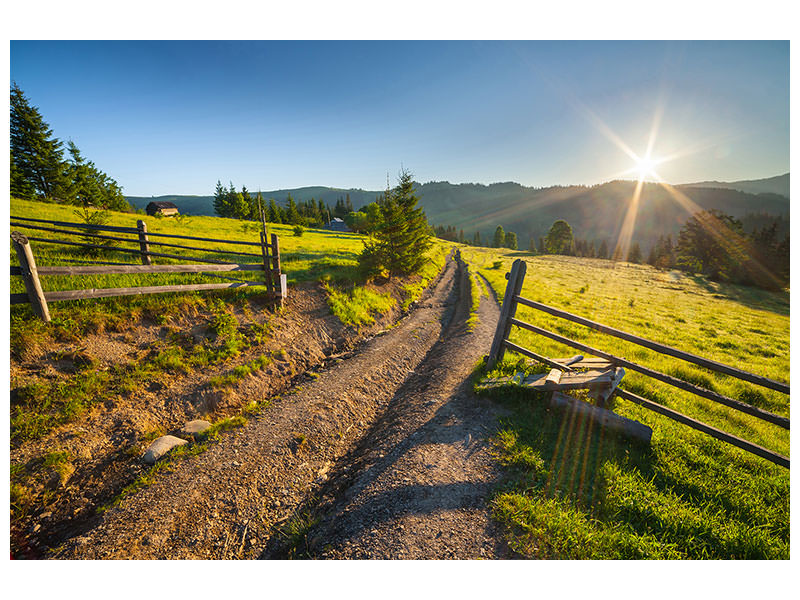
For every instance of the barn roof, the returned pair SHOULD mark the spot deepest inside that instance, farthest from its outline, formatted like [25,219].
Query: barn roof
[161,204]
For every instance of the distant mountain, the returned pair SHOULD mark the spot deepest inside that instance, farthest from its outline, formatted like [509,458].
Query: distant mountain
[771,185]
[595,213]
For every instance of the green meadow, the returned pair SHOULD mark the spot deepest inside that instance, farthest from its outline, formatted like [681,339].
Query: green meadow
[576,493]
[330,258]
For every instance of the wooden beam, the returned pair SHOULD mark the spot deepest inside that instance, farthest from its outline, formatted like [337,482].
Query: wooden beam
[683,385]
[30,276]
[771,456]
[538,357]
[136,291]
[507,311]
[603,418]
[133,230]
[661,348]
[146,269]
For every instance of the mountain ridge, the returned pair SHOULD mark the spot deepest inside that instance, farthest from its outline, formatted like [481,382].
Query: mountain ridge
[595,212]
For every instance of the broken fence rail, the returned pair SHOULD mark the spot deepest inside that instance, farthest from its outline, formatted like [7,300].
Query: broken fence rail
[501,343]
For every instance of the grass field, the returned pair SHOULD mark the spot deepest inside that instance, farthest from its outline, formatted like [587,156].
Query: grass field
[316,256]
[578,494]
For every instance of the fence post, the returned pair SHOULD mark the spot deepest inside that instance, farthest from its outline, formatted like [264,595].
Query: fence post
[267,266]
[276,268]
[30,275]
[144,243]
[507,312]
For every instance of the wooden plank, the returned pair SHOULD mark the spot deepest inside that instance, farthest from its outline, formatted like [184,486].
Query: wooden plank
[571,381]
[661,348]
[135,291]
[601,395]
[133,230]
[538,357]
[146,269]
[130,251]
[284,286]
[16,270]
[587,363]
[19,298]
[515,277]
[83,234]
[771,456]
[27,266]
[554,377]
[683,385]
[602,418]
[79,225]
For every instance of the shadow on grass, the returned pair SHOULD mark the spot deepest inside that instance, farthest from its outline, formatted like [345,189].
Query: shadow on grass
[632,497]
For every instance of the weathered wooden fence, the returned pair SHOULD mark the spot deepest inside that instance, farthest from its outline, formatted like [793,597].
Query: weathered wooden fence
[508,319]
[269,255]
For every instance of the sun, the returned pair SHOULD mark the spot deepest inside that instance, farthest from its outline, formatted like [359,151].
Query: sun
[644,167]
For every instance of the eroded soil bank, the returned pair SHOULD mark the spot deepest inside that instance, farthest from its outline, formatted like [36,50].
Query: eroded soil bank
[103,447]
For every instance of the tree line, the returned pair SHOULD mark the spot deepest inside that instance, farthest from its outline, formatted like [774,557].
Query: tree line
[710,243]
[40,170]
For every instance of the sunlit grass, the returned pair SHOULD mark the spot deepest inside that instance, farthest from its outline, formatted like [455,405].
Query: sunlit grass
[580,494]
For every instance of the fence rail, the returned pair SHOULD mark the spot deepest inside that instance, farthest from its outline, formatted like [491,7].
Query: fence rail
[508,319]
[274,280]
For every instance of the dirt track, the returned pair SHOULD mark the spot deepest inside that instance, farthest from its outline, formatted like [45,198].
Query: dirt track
[386,451]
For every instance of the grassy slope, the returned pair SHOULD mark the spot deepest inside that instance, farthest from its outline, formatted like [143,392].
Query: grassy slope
[314,256]
[578,494]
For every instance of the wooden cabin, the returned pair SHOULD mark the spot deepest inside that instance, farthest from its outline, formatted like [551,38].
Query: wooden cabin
[166,209]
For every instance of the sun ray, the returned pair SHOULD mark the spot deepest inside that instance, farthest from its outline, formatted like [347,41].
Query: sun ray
[623,245]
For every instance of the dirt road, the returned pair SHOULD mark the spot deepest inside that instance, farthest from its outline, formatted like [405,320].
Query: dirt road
[385,451]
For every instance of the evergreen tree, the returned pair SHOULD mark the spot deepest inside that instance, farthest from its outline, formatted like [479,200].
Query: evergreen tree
[532,245]
[542,247]
[20,187]
[511,240]
[559,239]
[292,215]
[37,155]
[221,200]
[461,238]
[275,213]
[401,241]
[476,240]
[499,240]
[602,252]
[635,254]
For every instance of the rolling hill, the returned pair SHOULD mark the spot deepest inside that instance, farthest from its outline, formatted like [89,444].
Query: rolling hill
[771,185]
[594,212]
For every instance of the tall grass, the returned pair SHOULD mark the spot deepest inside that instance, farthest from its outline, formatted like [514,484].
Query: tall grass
[580,494]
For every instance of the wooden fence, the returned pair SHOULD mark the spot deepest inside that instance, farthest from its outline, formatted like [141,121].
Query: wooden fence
[507,320]
[269,255]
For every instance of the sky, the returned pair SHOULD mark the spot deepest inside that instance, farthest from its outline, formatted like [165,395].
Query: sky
[175,117]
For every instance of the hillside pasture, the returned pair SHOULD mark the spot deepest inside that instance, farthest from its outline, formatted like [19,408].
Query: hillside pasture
[579,494]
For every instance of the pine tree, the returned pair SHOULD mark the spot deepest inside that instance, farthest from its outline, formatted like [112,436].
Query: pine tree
[635,254]
[532,245]
[542,247]
[37,155]
[511,240]
[20,187]
[499,237]
[602,252]
[275,213]
[221,200]
[292,215]
[402,239]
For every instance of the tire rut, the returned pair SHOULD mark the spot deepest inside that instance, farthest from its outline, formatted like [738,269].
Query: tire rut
[419,484]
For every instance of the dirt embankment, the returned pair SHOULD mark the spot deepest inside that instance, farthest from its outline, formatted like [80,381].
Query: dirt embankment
[105,445]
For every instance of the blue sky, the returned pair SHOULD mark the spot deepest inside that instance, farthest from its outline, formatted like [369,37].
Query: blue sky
[174,117]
